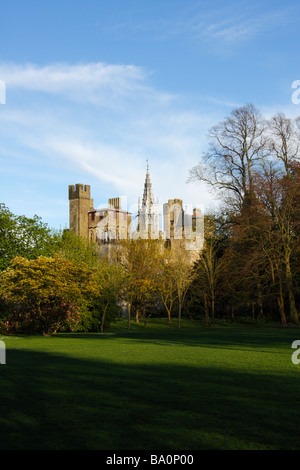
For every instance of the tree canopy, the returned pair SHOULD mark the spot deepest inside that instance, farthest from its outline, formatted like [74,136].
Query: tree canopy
[24,236]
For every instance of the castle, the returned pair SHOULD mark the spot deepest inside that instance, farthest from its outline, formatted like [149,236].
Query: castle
[108,225]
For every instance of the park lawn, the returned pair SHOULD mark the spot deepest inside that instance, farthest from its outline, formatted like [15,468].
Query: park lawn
[154,388]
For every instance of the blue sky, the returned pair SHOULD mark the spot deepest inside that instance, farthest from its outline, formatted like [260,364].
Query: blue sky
[94,88]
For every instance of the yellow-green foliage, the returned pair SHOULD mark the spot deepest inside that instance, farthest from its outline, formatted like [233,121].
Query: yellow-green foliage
[30,285]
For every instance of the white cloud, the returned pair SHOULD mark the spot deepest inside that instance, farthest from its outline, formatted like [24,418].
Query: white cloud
[95,158]
[81,82]
[61,77]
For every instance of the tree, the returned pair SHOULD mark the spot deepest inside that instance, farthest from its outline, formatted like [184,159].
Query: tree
[23,236]
[165,281]
[237,146]
[139,259]
[111,278]
[208,274]
[45,294]
[283,140]
[280,193]
[254,163]
[181,276]
[78,249]
[247,262]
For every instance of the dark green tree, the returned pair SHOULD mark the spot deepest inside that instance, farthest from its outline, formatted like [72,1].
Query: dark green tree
[24,236]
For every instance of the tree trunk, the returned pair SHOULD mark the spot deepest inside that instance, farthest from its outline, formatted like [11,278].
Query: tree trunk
[206,310]
[103,319]
[213,307]
[129,313]
[145,318]
[259,301]
[169,314]
[232,312]
[293,308]
[280,300]
[253,311]
[179,314]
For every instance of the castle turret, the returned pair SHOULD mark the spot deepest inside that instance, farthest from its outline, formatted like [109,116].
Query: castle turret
[173,219]
[80,205]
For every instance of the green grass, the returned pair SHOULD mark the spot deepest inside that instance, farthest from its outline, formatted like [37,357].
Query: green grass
[157,388]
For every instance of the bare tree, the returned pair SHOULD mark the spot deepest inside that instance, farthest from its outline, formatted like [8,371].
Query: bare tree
[283,140]
[237,146]
[280,241]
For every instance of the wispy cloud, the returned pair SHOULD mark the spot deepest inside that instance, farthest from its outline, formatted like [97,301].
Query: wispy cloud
[60,77]
[212,23]
[91,82]
[242,26]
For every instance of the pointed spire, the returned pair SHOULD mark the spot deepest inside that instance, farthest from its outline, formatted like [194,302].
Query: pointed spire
[148,218]
[148,195]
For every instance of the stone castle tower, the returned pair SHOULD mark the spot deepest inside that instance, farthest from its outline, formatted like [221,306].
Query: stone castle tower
[105,225]
[80,205]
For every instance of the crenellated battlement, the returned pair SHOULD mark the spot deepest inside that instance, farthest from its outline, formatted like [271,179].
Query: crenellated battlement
[80,205]
[79,191]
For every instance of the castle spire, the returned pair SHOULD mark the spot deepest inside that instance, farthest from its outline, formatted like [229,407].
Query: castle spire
[148,217]
[148,195]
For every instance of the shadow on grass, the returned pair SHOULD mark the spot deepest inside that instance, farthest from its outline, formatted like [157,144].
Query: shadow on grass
[56,402]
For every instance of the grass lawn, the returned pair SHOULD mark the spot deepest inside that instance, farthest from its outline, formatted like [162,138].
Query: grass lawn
[157,388]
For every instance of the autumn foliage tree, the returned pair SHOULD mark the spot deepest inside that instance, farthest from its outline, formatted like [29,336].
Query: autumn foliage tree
[112,278]
[165,285]
[174,277]
[45,295]
[253,164]
[139,260]
[209,269]
[183,276]
[280,240]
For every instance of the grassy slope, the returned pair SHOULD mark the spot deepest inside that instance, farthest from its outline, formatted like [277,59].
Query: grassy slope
[156,388]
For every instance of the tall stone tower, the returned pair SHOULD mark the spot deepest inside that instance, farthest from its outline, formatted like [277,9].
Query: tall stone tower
[80,205]
[148,212]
